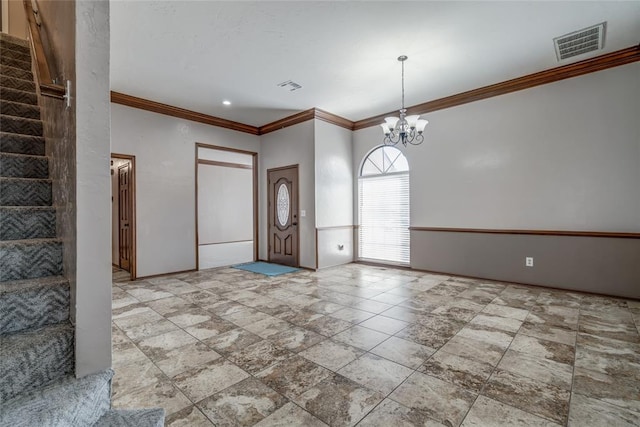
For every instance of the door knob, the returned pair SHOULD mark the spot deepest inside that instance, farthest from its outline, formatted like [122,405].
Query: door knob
[294,223]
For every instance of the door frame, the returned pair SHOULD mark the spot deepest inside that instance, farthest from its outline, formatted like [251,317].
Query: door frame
[254,166]
[269,190]
[133,262]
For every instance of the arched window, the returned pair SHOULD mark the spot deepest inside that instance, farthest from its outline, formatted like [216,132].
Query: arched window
[383,184]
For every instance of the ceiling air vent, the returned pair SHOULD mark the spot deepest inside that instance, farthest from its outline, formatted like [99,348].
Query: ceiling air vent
[579,42]
[290,85]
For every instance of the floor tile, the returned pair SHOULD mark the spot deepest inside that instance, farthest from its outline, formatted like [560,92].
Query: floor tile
[156,347]
[243,404]
[293,376]
[135,376]
[188,417]
[481,345]
[246,316]
[296,339]
[607,329]
[147,330]
[259,356]
[587,411]
[529,395]
[205,380]
[232,341]
[189,317]
[145,294]
[384,324]
[300,317]
[162,394]
[268,327]
[620,391]
[360,337]
[183,358]
[440,400]
[488,412]
[545,370]
[210,328]
[290,415]
[146,316]
[376,373]
[506,311]
[332,355]
[544,349]
[497,322]
[390,413]
[550,333]
[126,353]
[338,401]
[352,315]
[404,352]
[466,373]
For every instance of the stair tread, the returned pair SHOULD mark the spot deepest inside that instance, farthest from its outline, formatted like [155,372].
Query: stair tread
[153,417]
[19,341]
[30,241]
[25,284]
[25,105]
[67,401]
[14,39]
[18,155]
[7,178]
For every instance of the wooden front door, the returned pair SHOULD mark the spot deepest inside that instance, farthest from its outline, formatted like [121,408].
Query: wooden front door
[124,215]
[283,215]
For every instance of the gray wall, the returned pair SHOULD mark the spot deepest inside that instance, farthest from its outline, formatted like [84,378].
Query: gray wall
[290,146]
[334,194]
[165,182]
[563,156]
[93,188]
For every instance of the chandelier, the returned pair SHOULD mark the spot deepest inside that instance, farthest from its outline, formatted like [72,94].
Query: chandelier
[404,129]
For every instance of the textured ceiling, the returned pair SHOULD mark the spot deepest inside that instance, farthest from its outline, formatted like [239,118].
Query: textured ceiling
[195,54]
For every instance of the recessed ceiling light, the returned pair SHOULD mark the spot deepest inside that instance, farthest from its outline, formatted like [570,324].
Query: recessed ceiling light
[226,102]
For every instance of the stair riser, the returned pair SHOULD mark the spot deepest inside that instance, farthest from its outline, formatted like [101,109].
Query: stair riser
[22,126]
[20,84]
[21,261]
[69,402]
[7,44]
[17,109]
[23,65]
[22,144]
[16,166]
[34,308]
[9,52]
[20,224]
[44,361]
[15,192]
[16,72]
[18,96]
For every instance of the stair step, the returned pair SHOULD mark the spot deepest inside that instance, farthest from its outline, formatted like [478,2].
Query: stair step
[21,144]
[25,192]
[15,42]
[21,125]
[16,95]
[12,53]
[23,166]
[30,259]
[24,65]
[132,418]
[18,109]
[67,402]
[35,358]
[27,222]
[16,72]
[16,83]
[33,303]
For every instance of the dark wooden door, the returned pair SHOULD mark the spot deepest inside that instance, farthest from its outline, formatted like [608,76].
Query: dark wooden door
[283,215]
[124,215]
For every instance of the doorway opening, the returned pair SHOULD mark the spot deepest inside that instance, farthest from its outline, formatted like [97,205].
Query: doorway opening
[383,188]
[123,213]
[284,239]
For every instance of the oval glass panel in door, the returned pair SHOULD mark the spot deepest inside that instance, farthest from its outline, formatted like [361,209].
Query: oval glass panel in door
[284,205]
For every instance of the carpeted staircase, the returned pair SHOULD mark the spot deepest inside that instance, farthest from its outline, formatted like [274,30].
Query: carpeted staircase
[37,382]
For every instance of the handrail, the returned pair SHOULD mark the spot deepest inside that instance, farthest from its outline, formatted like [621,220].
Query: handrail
[46,83]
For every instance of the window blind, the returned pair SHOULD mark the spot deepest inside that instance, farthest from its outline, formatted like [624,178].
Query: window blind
[383,233]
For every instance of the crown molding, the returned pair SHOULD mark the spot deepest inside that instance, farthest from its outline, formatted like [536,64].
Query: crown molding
[170,110]
[591,65]
[616,235]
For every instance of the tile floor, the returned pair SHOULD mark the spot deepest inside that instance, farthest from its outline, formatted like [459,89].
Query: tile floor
[372,346]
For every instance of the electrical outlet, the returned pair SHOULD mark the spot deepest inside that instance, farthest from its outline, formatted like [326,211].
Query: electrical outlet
[528,261]
[303,213]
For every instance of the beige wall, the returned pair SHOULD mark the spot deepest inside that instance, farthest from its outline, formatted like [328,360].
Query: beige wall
[17,22]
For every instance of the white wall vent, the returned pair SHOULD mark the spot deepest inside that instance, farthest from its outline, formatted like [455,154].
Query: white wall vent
[290,85]
[579,42]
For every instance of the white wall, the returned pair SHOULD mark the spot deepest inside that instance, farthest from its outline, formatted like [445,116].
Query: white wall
[165,181]
[334,193]
[93,187]
[290,146]
[563,156]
